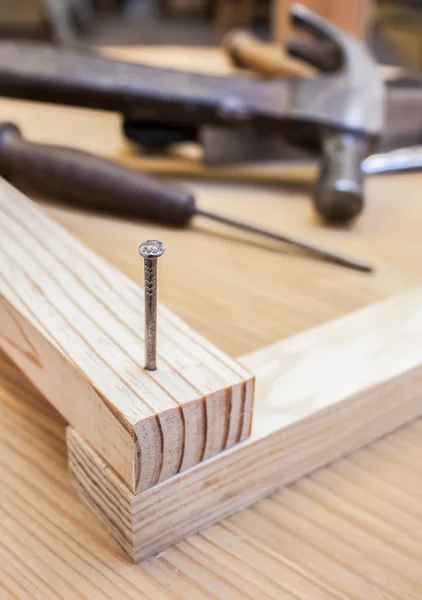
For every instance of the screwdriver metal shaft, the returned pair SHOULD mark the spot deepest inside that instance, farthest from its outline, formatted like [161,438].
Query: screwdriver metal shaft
[333,257]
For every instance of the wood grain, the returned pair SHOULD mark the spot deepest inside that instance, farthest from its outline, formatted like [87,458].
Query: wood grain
[350,531]
[73,325]
[320,395]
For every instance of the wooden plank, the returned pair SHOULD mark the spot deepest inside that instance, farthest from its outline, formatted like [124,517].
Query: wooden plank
[352,530]
[73,324]
[320,395]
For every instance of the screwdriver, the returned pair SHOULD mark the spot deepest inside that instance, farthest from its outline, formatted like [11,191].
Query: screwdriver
[85,180]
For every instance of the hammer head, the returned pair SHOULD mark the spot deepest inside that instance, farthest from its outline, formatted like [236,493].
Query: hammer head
[340,114]
[349,99]
[353,97]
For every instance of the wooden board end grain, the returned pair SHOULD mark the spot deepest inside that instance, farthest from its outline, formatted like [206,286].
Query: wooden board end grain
[74,325]
[321,395]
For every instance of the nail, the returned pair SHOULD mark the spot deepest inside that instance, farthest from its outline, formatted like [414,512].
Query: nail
[151,251]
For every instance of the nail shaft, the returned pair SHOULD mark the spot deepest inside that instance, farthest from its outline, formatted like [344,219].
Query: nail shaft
[150,314]
[151,251]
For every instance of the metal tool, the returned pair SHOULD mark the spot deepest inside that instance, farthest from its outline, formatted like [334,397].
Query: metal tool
[403,122]
[402,160]
[151,251]
[88,181]
[322,54]
[400,145]
[341,111]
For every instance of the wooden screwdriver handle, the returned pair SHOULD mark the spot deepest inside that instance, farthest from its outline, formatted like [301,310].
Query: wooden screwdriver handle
[248,51]
[85,180]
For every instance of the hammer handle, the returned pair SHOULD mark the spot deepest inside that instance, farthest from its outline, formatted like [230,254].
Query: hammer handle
[338,195]
[88,181]
[247,51]
[140,92]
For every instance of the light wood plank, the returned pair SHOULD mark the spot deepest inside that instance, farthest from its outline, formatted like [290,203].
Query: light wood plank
[349,531]
[320,395]
[74,325]
[326,537]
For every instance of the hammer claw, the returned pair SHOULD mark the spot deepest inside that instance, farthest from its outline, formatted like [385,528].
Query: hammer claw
[306,20]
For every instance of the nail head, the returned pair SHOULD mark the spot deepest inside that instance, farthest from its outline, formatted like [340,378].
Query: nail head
[151,249]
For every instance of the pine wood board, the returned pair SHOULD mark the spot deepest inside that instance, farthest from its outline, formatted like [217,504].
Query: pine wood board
[320,395]
[73,324]
[351,530]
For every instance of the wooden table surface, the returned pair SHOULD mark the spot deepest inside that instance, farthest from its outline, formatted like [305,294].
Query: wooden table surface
[352,530]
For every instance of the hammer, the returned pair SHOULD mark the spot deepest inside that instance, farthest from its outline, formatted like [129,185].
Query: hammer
[339,114]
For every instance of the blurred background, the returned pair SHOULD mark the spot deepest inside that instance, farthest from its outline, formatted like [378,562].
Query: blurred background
[393,29]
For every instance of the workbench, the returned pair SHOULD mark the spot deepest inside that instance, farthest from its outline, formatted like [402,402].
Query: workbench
[352,530]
